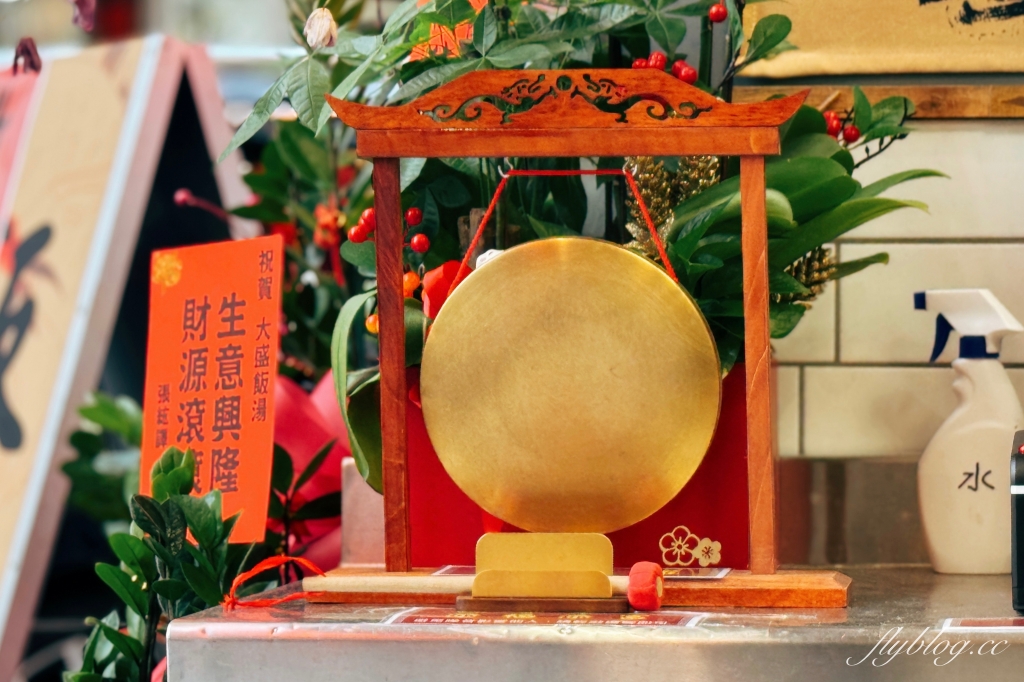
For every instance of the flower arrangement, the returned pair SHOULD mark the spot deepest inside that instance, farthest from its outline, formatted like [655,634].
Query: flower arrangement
[812,197]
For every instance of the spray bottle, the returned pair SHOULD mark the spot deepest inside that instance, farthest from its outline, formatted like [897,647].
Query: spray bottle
[963,475]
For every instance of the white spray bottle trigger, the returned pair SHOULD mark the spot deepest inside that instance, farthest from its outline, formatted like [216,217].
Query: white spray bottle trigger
[976,314]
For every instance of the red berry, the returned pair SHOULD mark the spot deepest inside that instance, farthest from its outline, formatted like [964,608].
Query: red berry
[677,67]
[358,234]
[413,217]
[718,13]
[369,218]
[639,63]
[420,243]
[834,125]
[851,133]
[657,60]
[688,74]
[829,115]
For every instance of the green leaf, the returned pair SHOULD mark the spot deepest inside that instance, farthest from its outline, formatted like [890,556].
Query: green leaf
[314,465]
[861,109]
[80,677]
[324,507]
[350,311]
[811,144]
[363,412]
[134,554]
[171,589]
[267,211]
[308,82]
[346,86]
[202,521]
[667,30]
[260,114]
[523,54]
[362,255]
[176,526]
[449,192]
[129,647]
[173,474]
[768,33]
[305,155]
[403,14]
[832,224]
[852,266]
[780,282]
[545,229]
[823,196]
[881,131]
[128,590]
[806,120]
[784,46]
[283,471]
[783,318]
[892,111]
[693,230]
[416,324]
[431,78]
[879,186]
[409,170]
[148,516]
[275,509]
[270,187]
[202,584]
[120,415]
[485,29]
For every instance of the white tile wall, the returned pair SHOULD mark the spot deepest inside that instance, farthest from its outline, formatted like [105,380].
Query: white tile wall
[981,158]
[854,378]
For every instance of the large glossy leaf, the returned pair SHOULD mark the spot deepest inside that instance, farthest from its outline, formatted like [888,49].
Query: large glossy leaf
[170,589]
[850,267]
[350,311]
[881,131]
[173,474]
[780,282]
[822,196]
[260,114]
[806,120]
[892,111]
[203,523]
[832,224]
[134,554]
[409,170]
[694,229]
[202,583]
[308,82]
[128,590]
[348,84]
[526,54]
[545,229]
[304,154]
[811,144]
[363,412]
[147,515]
[416,323]
[130,647]
[879,186]
[783,318]
[449,192]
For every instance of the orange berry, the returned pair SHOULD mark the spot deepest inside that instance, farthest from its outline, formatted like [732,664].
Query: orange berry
[373,324]
[410,283]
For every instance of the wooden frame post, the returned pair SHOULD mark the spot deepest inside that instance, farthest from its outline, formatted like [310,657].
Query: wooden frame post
[758,356]
[390,242]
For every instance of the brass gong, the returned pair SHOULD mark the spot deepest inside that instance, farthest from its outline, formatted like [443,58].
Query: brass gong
[570,385]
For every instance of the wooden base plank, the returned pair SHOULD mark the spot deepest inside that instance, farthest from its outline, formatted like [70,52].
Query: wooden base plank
[541,605]
[783,589]
[801,589]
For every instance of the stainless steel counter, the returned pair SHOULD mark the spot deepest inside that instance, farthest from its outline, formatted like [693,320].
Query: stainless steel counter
[313,643]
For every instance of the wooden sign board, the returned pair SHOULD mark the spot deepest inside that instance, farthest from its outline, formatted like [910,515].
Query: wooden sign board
[82,169]
[211,367]
[894,36]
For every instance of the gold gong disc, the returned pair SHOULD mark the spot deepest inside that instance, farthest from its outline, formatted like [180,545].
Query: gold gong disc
[570,385]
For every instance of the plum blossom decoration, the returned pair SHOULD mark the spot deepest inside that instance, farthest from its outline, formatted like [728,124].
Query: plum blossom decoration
[680,547]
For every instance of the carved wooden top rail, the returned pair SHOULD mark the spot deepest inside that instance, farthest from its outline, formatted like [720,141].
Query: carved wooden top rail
[583,112]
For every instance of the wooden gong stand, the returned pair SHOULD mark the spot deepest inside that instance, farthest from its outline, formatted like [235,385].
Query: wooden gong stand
[581,113]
